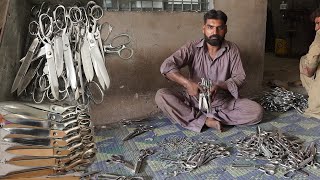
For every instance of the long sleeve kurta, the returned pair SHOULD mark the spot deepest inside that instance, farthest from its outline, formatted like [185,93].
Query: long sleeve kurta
[225,67]
[312,84]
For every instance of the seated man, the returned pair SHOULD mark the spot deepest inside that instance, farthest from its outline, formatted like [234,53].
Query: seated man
[218,60]
[309,71]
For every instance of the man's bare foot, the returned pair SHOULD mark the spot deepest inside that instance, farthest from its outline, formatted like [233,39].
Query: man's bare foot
[213,123]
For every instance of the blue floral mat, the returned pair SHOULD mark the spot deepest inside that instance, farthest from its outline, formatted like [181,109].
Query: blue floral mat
[109,142]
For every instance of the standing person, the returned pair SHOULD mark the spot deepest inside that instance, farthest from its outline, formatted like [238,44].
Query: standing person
[309,70]
[218,60]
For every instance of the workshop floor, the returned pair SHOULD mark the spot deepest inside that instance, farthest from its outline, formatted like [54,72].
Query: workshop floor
[109,138]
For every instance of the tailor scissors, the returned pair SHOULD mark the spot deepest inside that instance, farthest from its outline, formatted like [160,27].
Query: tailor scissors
[95,12]
[67,53]
[137,132]
[118,45]
[45,32]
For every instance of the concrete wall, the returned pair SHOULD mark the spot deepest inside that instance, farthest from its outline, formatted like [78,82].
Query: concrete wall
[156,35]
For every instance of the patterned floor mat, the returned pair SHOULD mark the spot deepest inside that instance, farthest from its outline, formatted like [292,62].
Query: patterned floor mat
[109,142]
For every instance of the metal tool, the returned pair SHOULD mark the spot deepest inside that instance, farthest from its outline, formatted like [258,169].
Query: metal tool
[42,141]
[86,143]
[44,123]
[108,176]
[45,171]
[25,64]
[42,132]
[138,131]
[120,159]
[18,108]
[119,45]
[143,154]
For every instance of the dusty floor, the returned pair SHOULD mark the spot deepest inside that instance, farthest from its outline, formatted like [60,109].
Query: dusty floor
[137,105]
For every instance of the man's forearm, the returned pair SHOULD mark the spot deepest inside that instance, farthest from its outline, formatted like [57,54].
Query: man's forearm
[178,78]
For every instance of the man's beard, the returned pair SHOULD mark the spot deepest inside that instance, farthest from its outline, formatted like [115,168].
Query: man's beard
[214,40]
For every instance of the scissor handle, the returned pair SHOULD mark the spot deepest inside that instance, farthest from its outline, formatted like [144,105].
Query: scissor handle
[94,86]
[96,12]
[45,30]
[75,14]
[33,28]
[119,40]
[59,15]
[125,52]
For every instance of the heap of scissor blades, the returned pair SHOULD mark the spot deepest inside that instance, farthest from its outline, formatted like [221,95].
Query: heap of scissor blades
[47,139]
[284,153]
[281,100]
[67,54]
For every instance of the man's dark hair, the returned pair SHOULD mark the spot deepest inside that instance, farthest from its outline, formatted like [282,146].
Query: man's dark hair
[315,14]
[215,14]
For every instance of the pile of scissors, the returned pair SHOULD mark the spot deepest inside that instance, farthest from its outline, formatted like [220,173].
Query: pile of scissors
[48,139]
[67,54]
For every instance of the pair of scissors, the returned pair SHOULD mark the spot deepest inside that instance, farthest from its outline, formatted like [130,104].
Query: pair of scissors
[120,159]
[138,131]
[143,154]
[118,45]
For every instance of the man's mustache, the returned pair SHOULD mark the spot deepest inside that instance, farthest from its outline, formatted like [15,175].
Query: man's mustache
[215,36]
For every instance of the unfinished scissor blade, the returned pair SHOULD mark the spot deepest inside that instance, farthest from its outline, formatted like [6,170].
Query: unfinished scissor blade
[38,151]
[32,161]
[34,172]
[36,141]
[50,107]
[37,132]
[25,110]
[25,64]
[25,120]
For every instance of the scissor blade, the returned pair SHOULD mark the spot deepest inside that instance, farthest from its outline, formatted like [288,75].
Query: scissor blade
[58,54]
[99,75]
[25,64]
[40,54]
[53,78]
[96,56]
[29,76]
[34,162]
[34,141]
[27,173]
[50,107]
[86,60]
[38,151]
[26,110]
[67,54]
[40,132]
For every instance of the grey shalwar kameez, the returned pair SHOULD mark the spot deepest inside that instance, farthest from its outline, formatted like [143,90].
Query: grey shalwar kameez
[226,106]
